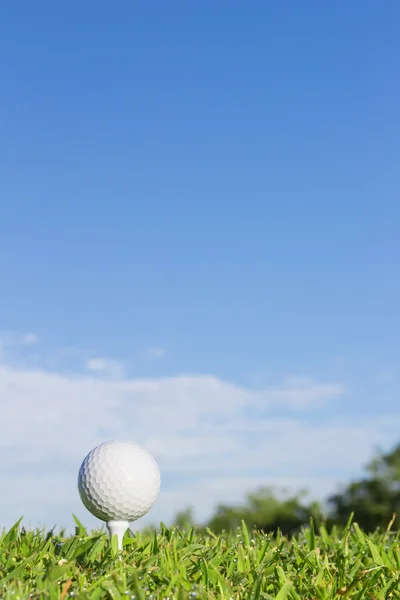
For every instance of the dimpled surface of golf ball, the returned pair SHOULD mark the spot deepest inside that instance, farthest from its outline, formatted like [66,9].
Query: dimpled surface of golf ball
[119,481]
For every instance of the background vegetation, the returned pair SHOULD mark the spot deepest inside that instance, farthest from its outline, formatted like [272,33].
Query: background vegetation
[373,500]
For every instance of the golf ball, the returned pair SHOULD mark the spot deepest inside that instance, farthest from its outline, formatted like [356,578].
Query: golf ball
[119,481]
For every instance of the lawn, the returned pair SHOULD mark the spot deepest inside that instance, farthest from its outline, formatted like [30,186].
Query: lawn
[177,564]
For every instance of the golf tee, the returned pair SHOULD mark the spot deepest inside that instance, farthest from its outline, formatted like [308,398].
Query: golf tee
[117,528]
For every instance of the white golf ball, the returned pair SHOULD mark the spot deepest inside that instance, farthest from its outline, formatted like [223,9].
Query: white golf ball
[119,481]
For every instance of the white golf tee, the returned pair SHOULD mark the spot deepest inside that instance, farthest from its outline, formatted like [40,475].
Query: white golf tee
[117,528]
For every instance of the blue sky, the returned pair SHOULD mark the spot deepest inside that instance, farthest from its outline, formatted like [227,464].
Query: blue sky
[207,190]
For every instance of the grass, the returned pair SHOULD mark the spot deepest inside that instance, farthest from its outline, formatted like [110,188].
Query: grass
[197,565]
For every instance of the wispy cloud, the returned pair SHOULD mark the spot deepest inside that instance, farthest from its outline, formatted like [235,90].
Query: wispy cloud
[16,345]
[106,367]
[154,352]
[9,339]
[30,338]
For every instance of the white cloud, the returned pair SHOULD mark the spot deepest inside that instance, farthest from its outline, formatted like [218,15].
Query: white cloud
[106,367]
[155,352]
[213,439]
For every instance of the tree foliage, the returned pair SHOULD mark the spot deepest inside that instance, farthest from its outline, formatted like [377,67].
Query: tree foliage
[266,511]
[375,498]
[185,518]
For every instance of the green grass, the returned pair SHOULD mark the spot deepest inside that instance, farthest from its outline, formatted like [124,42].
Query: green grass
[193,565]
